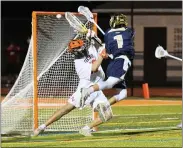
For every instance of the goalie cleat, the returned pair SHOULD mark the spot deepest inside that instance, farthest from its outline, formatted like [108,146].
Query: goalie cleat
[85,131]
[39,130]
[84,96]
[105,112]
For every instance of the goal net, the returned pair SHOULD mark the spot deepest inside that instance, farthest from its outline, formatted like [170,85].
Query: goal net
[46,79]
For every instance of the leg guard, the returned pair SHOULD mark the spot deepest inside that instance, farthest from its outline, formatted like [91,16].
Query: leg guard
[105,111]
[109,83]
[122,95]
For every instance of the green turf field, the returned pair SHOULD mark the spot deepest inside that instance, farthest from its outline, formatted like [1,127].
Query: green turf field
[132,126]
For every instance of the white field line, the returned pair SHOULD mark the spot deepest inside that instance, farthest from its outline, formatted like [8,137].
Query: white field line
[50,104]
[168,101]
[125,117]
[160,104]
[146,114]
[61,104]
[138,129]
[170,118]
[131,116]
[160,121]
[160,101]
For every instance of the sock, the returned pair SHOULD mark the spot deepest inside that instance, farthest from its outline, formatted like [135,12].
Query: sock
[86,127]
[43,126]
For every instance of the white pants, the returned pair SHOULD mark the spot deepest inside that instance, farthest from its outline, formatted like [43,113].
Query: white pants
[93,100]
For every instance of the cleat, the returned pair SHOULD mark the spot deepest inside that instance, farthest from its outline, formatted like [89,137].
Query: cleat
[180,125]
[39,130]
[84,96]
[85,132]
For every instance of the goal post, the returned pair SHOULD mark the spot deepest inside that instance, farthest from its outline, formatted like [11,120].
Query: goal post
[34,50]
[47,78]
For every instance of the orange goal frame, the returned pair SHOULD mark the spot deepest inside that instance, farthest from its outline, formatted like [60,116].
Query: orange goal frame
[35,83]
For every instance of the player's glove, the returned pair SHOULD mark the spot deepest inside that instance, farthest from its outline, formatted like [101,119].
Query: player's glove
[102,52]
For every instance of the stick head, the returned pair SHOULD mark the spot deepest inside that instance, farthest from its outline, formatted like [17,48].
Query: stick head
[86,12]
[160,52]
[75,23]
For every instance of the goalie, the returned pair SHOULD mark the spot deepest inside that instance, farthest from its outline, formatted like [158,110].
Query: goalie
[87,65]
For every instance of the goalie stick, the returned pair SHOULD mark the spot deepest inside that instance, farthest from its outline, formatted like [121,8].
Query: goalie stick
[87,13]
[79,26]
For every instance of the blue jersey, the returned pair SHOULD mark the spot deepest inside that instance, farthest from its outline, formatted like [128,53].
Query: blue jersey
[119,42]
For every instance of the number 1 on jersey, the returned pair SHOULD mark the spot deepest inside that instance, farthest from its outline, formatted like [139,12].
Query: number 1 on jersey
[119,40]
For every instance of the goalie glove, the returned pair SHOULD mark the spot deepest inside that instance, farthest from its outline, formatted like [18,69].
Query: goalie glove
[91,35]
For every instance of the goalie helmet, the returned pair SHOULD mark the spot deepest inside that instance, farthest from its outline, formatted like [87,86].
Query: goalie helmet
[118,20]
[77,47]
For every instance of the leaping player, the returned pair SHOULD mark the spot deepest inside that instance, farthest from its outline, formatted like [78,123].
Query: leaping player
[119,44]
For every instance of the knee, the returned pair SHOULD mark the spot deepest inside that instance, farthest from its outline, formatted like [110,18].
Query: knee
[122,95]
[110,83]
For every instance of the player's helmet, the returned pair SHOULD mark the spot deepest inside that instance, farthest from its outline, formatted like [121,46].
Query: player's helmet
[77,47]
[118,20]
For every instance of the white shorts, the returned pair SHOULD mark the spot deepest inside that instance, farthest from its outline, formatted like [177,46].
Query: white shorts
[93,100]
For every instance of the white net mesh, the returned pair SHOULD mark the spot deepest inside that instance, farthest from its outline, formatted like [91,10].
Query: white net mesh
[75,22]
[57,80]
[160,52]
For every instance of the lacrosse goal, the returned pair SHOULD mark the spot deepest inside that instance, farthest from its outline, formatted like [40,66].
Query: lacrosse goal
[46,79]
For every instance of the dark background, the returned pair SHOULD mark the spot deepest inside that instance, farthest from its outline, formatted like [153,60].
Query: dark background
[16,17]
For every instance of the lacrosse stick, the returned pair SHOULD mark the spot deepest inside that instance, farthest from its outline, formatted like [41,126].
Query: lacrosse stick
[160,52]
[79,26]
[87,13]
[76,23]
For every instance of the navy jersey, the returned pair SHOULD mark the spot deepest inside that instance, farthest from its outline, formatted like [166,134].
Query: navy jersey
[119,42]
